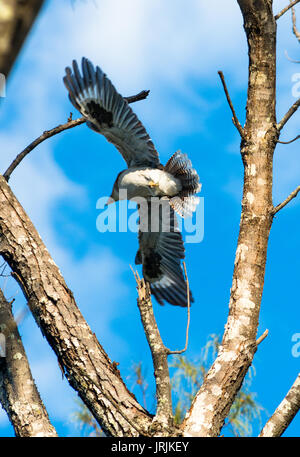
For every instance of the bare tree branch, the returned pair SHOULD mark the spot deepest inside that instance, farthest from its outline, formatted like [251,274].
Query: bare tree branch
[262,337]
[289,58]
[288,115]
[284,10]
[294,26]
[286,201]
[289,142]
[285,412]
[164,413]
[18,393]
[85,363]
[234,118]
[16,19]
[60,128]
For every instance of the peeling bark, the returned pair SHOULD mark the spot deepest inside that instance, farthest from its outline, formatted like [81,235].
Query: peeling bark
[84,361]
[18,393]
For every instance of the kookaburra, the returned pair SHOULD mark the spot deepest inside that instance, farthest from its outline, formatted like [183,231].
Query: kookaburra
[174,185]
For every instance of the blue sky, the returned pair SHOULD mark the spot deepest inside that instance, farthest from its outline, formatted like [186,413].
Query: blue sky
[174,49]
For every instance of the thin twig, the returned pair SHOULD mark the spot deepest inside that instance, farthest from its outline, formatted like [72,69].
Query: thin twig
[286,201]
[60,128]
[234,118]
[188,318]
[45,135]
[289,58]
[138,97]
[262,337]
[289,142]
[288,115]
[295,31]
[281,13]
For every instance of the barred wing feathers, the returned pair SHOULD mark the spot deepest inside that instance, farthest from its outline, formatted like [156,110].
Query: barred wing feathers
[160,252]
[108,113]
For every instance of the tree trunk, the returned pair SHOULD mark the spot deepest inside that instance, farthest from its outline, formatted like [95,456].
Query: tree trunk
[18,393]
[223,381]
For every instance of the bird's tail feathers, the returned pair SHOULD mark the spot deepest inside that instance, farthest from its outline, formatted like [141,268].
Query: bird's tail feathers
[184,206]
[180,166]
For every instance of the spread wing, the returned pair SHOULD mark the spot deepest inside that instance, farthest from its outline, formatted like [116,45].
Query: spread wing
[161,251]
[108,113]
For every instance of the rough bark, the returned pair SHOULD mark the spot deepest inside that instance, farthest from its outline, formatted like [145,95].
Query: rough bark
[285,412]
[18,393]
[16,19]
[85,363]
[163,420]
[224,379]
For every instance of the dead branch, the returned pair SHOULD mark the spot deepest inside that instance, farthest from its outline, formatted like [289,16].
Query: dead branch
[288,115]
[285,412]
[18,393]
[289,58]
[289,142]
[60,128]
[294,26]
[284,10]
[164,414]
[262,337]
[234,116]
[286,201]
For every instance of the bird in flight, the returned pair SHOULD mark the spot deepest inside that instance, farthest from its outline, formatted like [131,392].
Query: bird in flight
[159,190]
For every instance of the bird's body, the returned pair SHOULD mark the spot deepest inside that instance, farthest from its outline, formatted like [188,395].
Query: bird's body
[147,182]
[161,246]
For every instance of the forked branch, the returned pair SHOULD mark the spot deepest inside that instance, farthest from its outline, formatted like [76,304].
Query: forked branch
[234,116]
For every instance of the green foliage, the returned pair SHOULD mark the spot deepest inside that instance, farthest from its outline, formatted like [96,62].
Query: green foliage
[85,421]
[186,378]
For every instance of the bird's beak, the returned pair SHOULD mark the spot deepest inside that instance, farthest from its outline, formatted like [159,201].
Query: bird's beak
[109,201]
[153,184]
